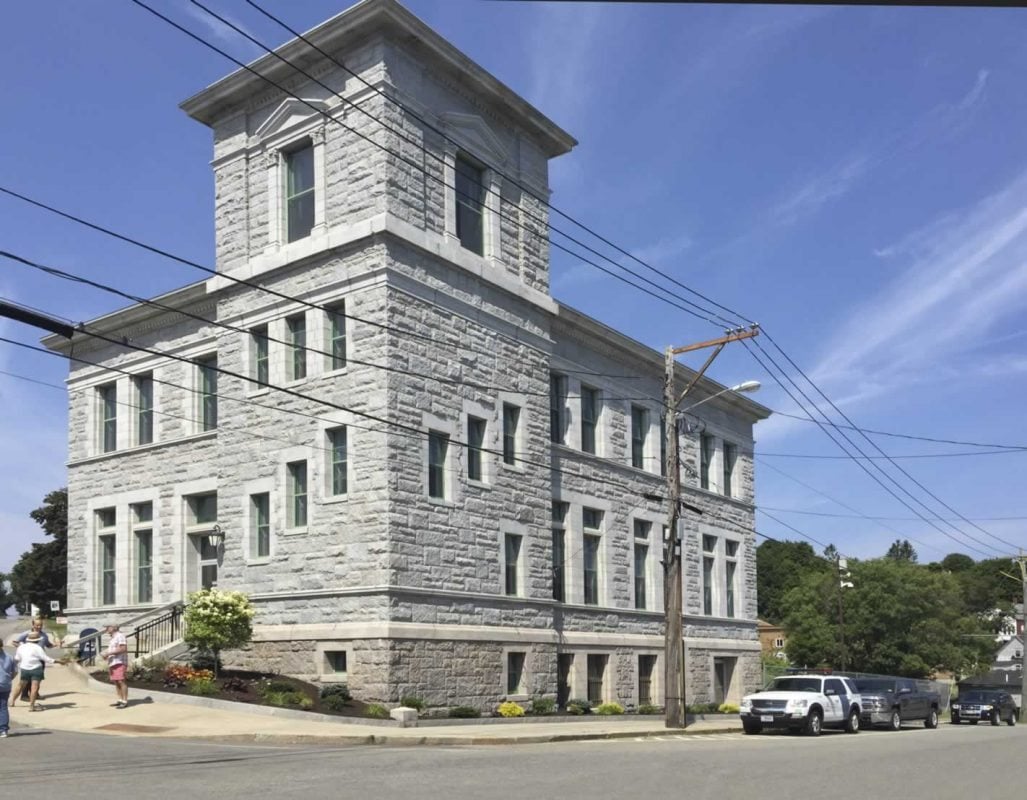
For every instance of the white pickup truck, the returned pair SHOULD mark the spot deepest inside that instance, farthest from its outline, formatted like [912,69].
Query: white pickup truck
[803,702]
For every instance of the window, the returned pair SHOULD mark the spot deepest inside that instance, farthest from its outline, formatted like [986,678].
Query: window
[260,541]
[202,509]
[438,446]
[592,519]
[299,192]
[208,392]
[470,191]
[557,407]
[515,673]
[641,556]
[144,408]
[779,643]
[639,433]
[589,418]
[261,355]
[706,446]
[106,520]
[559,537]
[475,441]
[297,493]
[596,676]
[730,571]
[642,528]
[338,447]
[730,457]
[646,668]
[336,661]
[108,395]
[512,562]
[336,334]
[296,326]
[709,546]
[511,418]
[142,529]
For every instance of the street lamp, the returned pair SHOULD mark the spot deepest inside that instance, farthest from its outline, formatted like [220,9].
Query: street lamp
[674,672]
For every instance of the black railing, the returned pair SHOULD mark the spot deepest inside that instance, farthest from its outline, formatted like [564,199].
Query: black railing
[158,633]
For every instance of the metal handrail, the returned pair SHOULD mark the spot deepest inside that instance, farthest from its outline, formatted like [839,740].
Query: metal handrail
[164,610]
[159,632]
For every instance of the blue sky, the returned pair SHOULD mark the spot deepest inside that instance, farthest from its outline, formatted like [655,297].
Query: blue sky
[855,179]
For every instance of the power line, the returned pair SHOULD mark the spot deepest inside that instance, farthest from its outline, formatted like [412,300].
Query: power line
[875,518]
[907,435]
[844,449]
[908,455]
[877,447]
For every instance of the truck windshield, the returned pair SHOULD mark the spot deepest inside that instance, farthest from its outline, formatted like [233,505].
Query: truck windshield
[977,697]
[875,686]
[794,685]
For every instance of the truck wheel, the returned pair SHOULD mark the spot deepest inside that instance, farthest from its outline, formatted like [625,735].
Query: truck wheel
[932,719]
[995,718]
[1012,718]
[852,723]
[751,727]
[895,720]
[814,723]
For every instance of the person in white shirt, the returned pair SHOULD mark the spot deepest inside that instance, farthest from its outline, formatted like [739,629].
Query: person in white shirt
[31,659]
[117,662]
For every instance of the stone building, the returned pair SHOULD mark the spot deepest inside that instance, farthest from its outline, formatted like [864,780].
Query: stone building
[430,476]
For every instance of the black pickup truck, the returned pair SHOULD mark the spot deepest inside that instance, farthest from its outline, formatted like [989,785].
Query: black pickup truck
[893,701]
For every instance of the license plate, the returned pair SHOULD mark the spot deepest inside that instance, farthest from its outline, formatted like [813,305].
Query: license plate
[767,718]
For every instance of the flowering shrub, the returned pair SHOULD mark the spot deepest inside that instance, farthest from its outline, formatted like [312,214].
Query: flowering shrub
[609,709]
[510,709]
[178,675]
[728,708]
[216,620]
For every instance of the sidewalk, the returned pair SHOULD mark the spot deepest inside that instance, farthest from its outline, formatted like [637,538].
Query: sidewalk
[72,704]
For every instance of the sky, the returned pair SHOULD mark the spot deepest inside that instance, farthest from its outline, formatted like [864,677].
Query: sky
[854,179]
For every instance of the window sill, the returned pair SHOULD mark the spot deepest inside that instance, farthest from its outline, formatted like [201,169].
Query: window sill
[297,381]
[441,502]
[473,484]
[263,561]
[334,677]
[295,531]
[515,467]
[332,373]
[259,391]
[519,697]
[334,499]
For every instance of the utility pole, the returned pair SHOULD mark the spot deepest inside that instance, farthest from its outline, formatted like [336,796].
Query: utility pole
[35,319]
[843,584]
[1021,561]
[674,671]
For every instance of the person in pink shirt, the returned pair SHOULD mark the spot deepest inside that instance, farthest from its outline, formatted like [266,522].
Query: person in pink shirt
[117,664]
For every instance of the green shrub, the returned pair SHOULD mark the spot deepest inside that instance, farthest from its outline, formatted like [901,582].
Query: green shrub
[578,707]
[414,702]
[376,711]
[202,687]
[510,709]
[305,703]
[336,690]
[149,670]
[543,705]
[728,708]
[609,709]
[278,686]
[703,708]
[207,661]
[648,708]
[464,712]
[335,702]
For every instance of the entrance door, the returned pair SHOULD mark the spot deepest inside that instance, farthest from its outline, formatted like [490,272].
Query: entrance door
[564,663]
[208,561]
[722,670]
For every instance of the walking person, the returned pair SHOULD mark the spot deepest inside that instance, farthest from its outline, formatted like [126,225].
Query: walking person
[45,641]
[8,667]
[117,662]
[32,660]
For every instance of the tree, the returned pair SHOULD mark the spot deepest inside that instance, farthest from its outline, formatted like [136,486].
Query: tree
[902,550]
[780,565]
[957,562]
[216,620]
[900,619]
[41,574]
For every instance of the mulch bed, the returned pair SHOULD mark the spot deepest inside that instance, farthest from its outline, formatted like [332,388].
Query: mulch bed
[244,687]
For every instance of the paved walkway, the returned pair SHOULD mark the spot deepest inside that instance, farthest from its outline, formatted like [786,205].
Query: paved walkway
[72,704]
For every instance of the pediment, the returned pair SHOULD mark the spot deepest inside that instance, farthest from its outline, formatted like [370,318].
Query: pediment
[291,112]
[474,133]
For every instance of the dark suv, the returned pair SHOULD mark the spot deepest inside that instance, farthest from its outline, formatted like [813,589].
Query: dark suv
[991,705]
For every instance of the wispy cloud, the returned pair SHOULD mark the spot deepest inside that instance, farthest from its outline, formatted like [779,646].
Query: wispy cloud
[819,190]
[243,48]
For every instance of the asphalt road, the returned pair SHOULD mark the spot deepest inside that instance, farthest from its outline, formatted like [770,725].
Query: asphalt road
[913,763]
